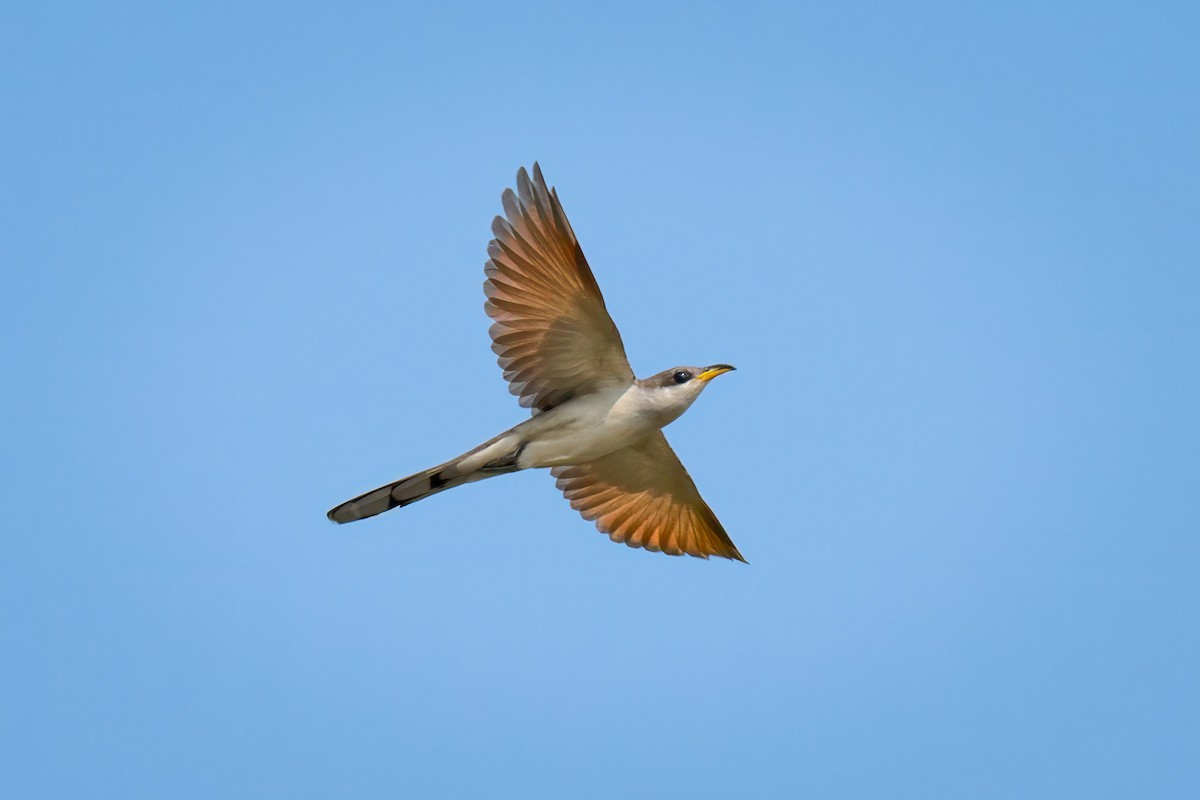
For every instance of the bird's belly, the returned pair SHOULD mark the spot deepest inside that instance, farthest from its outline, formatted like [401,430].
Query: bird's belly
[578,441]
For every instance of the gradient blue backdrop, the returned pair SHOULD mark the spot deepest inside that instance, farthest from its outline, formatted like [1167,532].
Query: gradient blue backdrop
[954,253]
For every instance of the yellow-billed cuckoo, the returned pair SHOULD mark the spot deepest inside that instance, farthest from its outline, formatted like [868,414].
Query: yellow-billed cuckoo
[596,426]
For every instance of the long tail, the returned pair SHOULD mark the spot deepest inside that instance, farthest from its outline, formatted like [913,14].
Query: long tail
[495,457]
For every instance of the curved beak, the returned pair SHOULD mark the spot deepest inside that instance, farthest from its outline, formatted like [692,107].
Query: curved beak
[714,371]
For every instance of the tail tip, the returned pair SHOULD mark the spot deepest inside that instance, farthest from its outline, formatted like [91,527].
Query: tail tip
[346,512]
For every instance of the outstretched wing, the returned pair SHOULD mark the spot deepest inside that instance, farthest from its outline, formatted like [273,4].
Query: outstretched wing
[552,334]
[641,495]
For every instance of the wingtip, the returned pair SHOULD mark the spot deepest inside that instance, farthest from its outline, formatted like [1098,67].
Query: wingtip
[522,181]
[531,183]
[733,554]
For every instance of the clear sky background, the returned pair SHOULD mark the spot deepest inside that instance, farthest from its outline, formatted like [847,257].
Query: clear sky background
[953,252]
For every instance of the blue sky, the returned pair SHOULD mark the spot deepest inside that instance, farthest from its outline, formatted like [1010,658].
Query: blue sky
[952,250]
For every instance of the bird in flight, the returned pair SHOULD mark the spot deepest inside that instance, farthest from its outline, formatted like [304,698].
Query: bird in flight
[596,426]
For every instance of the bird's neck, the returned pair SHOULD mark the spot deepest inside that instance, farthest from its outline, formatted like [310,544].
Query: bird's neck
[662,406]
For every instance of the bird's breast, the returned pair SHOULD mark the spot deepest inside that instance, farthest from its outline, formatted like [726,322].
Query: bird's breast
[585,429]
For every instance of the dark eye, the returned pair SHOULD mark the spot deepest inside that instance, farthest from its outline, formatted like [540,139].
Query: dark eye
[682,376]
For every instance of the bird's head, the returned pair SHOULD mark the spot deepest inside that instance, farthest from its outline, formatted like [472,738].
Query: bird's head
[673,390]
